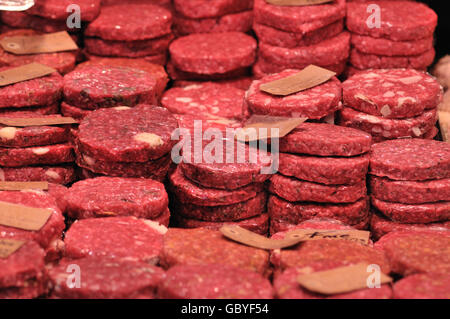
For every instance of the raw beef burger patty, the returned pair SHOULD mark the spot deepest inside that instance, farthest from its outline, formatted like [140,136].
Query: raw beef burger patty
[57,9]
[423,286]
[53,174]
[114,196]
[51,154]
[198,9]
[213,282]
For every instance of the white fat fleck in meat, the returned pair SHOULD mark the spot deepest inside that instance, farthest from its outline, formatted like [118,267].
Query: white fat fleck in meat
[40,150]
[389,94]
[387,84]
[370,118]
[122,108]
[377,129]
[370,75]
[183,99]
[89,160]
[411,79]
[385,110]
[364,98]
[156,226]
[267,101]
[149,138]
[417,132]
[192,87]
[403,100]
[8,133]
[52,174]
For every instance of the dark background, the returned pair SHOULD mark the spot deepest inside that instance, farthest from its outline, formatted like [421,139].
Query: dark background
[442,37]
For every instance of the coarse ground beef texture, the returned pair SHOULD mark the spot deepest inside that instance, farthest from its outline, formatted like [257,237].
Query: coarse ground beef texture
[410,160]
[200,246]
[41,155]
[325,140]
[423,286]
[98,86]
[325,170]
[258,224]
[397,93]
[138,134]
[208,97]
[198,9]
[380,226]
[129,22]
[37,110]
[57,9]
[64,174]
[410,192]
[418,251]
[225,213]
[414,213]
[191,193]
[297,212]
[177,74]
[126,238]
[401,20]
[36,92]
[107,278]
[115,196]
[295,190]
[313,103]
[287,287]
[213,52]
[52,229]
[298,19]
[280,38]
[384,128]
[213,282]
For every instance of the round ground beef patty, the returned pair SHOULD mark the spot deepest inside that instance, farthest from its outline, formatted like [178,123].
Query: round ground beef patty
[127,135]
[97,86]
[47,155]
[280,38]
[258,224]
[126,238]
[296,212]
[107,278]
[287,287]
[410,192]
[295,190]
[200,246]
[188,192]
[325,140]
[225,213]
[411,159]
[398,93]
[177,74]
[36,92]
[52,229]
[313,103]
[129,22]
[418,251]
[213,52]
[423,286]
[414,213]
[298,19]
[401,20]
[325,170]
[57,9]
[198,9]
[114,196]
[213,282]
[64,174]
[37,110]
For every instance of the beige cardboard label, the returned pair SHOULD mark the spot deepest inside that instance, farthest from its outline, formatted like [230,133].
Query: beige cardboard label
[444,123]
[23,217]
[18,186]
[309,77]
[38,121]
[340,280]
[260,127]
[35,44]
[292,238]
[297,2]
[9,247]
[24,73]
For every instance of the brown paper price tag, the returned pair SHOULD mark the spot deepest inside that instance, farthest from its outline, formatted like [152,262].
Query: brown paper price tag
[38,121]
[260,127]
[309,77]
[297,2]
[9,247]
[35,44]
[24,73]
[23,217]
[340,280]
[18,186]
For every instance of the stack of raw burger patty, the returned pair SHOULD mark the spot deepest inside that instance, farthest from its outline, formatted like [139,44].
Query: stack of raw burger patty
[322,174]
[131,30]
[214,191]
[194,16]
[211,56]
[410,185]
[34,153]
[391,103]
[98,86]
[404,38]
[126,142]
[293,37]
